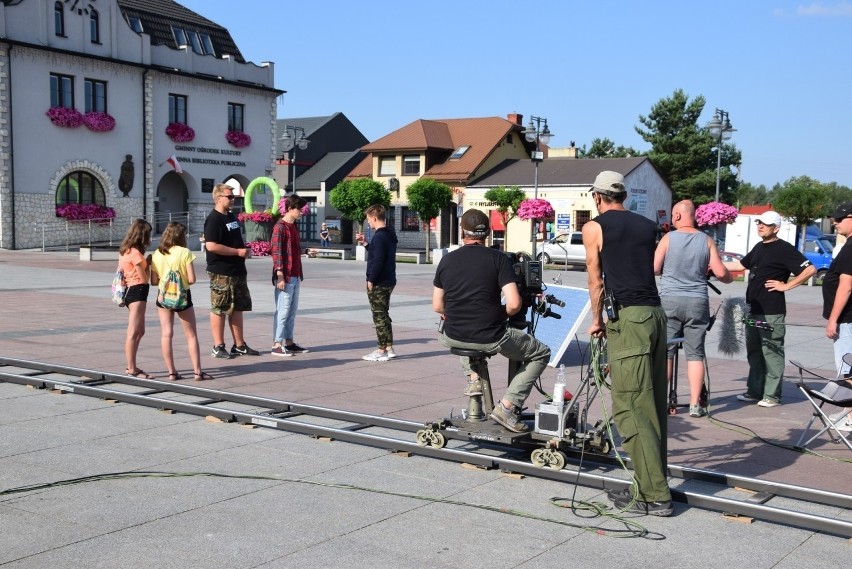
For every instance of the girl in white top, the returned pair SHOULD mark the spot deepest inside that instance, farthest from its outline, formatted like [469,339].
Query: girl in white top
[173,255]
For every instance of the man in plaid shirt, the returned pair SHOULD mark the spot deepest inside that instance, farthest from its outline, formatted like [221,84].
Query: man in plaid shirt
[287,276]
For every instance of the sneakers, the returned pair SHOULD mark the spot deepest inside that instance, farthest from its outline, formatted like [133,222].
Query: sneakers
[621,499]
[747,398]
[391,354]
[839,423]
[281,352]
[296,349]
[697,411]
[474,387]
[221,352]
[509,419]
[243,350]
[768,403]
[376,356]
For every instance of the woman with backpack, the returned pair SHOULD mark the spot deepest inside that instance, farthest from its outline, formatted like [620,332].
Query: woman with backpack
[173,274]
[134,265]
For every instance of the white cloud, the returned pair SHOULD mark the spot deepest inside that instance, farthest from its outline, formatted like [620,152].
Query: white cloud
[819,9]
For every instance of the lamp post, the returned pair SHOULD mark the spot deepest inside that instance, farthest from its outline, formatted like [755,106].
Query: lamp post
[294,136]
[720,129]
[537,132]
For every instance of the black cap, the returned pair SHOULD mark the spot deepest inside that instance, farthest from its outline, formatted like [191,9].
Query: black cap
[843,210]
[474,224]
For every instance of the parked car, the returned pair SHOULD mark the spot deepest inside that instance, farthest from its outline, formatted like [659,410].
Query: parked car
[564,249]
[727,256]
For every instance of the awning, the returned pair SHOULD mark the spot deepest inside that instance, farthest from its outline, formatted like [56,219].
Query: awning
[497,221]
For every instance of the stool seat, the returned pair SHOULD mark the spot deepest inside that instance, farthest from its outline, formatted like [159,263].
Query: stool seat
[471,353]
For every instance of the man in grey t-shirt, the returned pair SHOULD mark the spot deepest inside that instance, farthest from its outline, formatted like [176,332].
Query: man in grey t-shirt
[683,258]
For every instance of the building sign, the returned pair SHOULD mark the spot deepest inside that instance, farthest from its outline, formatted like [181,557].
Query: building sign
[563,223]
[638,201]
[213,161]
[207,185]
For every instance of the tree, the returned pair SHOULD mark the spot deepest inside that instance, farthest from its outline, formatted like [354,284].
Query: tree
[684,153]
[605,148]
[506,201]
[352,197]
[803,200]
[748,194]
[427,197]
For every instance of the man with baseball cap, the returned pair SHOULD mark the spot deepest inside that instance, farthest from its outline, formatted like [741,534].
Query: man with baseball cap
[837,308]
[467,288]
[770,264]
[620,262]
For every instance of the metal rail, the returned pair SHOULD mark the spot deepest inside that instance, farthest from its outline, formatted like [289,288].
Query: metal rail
[295,417]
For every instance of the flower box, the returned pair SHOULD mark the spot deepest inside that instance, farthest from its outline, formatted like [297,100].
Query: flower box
[85,212]
[98,121]
[237,139]
[180,132]
[64,116]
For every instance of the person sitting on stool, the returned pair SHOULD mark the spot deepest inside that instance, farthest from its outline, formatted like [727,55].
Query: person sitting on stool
[467,288]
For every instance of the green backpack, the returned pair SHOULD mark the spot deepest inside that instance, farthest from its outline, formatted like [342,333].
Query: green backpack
[172,293]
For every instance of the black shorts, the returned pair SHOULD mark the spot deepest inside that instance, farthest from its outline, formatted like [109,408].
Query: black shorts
[136,293]
[188,302]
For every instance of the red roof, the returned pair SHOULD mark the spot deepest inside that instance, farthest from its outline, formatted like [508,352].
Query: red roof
[755,209]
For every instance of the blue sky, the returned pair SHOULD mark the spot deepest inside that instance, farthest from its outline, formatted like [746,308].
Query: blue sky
[780,68]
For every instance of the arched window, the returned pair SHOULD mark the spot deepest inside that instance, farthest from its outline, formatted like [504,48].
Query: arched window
[80,187]
[95,26]
[59,19]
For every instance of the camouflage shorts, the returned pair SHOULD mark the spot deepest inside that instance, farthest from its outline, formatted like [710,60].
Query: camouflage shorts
[228,294]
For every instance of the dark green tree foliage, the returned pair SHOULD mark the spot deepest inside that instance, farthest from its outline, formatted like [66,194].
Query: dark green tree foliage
[352,197]
[748,194]
[427,197]
[605,148]
[684,153]
[506,201]
[803,200]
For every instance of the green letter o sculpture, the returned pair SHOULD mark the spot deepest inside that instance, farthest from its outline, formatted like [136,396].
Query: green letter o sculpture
[262,181]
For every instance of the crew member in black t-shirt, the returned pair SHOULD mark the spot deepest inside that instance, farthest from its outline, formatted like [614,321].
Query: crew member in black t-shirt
[468,284]
[770,264]
[226,267]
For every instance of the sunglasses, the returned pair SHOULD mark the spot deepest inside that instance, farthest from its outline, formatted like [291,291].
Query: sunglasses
[765,224]
[230,197]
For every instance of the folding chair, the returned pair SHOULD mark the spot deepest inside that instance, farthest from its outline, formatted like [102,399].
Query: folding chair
[837,392]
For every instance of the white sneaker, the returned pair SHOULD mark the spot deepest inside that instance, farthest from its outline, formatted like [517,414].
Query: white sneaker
[845,426]
[391,354]
[768,403]
[376,356]
[837,416]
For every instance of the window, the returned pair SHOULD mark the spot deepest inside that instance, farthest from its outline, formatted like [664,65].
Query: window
[95,26]
[96,96]
[135,24]
[459,152]
[582,217]
[180,36]
[61,91]
[410,221]
[207,44]
[177,108]
[235,116]
[195,42]
[411,165]
[387,165]
[80,187]
[59,19]
[390,217]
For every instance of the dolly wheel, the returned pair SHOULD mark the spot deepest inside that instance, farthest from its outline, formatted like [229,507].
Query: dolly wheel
[547,458]
[430,438]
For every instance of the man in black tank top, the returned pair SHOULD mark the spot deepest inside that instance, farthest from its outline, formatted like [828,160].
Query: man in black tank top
[620,264]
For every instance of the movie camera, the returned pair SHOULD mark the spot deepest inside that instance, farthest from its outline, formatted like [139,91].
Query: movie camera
[528,277]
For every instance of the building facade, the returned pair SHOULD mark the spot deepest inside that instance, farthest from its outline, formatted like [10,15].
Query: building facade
[141,106]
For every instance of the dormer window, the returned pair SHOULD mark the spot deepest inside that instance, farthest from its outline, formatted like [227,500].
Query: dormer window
[459,152]
[411,165]
[387,165]
[180,36]
[135,24]
[207,44]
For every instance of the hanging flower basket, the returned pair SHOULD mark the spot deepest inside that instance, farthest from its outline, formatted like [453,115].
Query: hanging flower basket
[715,213]
[180,132]
[535,209]
[63,116]
[237,139]
[85,212]
[98,122]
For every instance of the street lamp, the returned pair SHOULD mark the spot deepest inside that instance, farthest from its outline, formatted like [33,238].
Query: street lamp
[720,129]
[537,132]
[294,136]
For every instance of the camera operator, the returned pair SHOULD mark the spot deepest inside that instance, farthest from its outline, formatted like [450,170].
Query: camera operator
[467,290]
[620,263]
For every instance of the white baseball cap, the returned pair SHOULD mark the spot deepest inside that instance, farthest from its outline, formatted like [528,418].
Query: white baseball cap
[769,218]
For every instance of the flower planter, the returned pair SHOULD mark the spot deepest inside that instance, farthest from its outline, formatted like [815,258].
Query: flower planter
[180,132]
[259,231]
[65,117]
[237,139]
